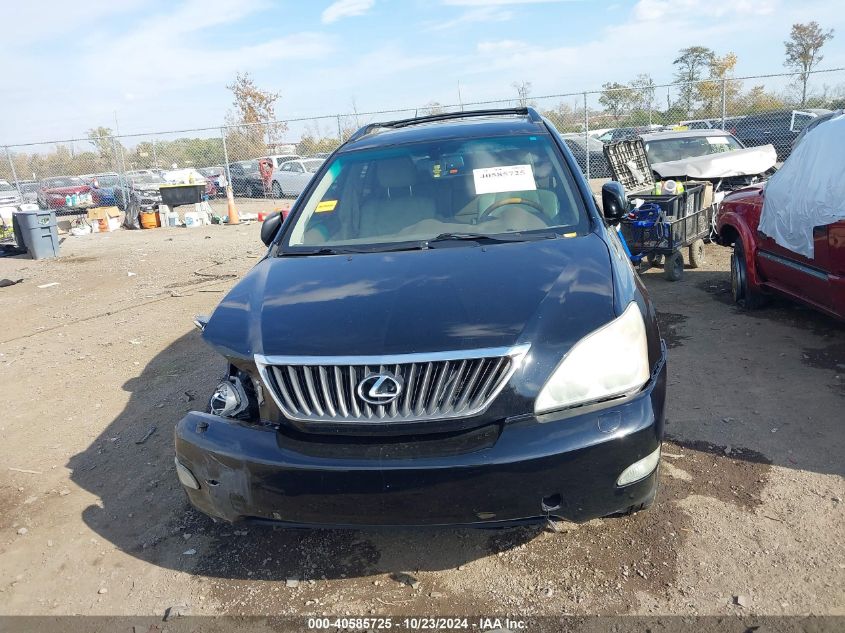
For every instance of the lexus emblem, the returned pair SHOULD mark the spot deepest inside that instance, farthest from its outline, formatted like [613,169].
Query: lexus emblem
[380,388]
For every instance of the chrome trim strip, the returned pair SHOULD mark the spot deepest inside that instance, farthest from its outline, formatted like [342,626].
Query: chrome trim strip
[393,359]
[789,263]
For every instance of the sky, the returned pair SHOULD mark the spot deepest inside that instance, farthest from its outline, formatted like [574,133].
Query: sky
[164,65]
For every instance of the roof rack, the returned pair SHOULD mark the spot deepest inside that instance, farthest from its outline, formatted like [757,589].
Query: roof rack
[531,113]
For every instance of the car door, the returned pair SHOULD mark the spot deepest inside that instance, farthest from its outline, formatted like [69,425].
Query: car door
[236,173]
[794,273]
[299,177]
[285,179]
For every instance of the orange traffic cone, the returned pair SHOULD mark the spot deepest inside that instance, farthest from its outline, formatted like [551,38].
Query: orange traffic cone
[232,210]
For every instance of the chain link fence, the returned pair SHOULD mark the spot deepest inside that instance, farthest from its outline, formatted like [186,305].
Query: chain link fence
[275,160]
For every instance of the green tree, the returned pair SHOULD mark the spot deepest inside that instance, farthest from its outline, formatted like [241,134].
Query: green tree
[689,67]
[710,92]
[803,51]
[616,99]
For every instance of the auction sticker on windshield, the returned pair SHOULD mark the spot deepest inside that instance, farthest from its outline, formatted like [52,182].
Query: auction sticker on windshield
[504,179]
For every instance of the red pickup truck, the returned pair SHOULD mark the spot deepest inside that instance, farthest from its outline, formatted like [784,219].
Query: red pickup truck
[760,266]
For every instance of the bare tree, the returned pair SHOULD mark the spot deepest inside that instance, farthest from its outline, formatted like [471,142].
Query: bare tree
[690,64]
[643,91]
[803,51]
[523,91]
[255,106]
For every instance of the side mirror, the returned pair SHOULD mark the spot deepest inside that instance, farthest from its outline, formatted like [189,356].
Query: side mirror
[270,227]
[614,202]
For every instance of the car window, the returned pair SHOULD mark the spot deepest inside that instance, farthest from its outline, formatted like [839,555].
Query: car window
[5,186]
[107,181]
[666,150]
[421,190]
[800,121]
[295,168]
[311,166]
[285,167]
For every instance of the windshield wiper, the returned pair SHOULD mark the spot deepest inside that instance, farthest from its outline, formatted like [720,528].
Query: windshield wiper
[345,250]
[499,237]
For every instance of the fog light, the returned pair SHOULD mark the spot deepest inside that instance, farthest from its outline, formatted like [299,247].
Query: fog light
[639,469]
[228,399]
[186,476]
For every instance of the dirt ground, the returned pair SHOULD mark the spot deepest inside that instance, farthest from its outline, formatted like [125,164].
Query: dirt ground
[749,518]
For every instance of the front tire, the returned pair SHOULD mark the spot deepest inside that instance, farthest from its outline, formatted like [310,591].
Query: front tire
[743,294]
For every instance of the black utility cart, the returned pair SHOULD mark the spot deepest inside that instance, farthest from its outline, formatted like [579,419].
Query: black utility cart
[658,227]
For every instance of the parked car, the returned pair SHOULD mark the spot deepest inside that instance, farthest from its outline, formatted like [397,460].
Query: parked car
[217,176]
[623,133]
[445,330]
[293,176]
[9,196]
[708,154]
[598,163]
[788,236]
[821,118]
[146,187]
[28,190]
[53,191]
[281,159]
[106,189]
[778,128]
[246,179]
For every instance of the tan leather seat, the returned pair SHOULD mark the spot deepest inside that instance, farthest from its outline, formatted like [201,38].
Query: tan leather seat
[396,207]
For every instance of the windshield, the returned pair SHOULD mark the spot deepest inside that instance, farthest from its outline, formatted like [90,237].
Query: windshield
[143,179]
[669,149]
[64,181]
[28,187]
[481,186]
[5,186]
[107,181]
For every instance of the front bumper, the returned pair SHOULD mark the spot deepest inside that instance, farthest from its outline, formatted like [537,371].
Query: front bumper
[560,464]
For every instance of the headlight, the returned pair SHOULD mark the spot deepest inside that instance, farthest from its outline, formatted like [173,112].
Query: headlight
[228,399]
[608,362]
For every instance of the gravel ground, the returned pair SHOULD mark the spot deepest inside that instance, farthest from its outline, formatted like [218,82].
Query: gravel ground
[749,517]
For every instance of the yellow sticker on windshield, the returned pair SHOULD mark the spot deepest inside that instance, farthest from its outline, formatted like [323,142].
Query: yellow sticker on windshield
[326,205]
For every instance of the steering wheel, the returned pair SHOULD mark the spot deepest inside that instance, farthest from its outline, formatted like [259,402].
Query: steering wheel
[535,209]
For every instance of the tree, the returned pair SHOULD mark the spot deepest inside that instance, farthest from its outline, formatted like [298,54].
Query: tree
[690,64]
[643,91]
[803,51]
[523,90]
[102,138]
[710,92]
[616,99]
[431,108]
[255,113]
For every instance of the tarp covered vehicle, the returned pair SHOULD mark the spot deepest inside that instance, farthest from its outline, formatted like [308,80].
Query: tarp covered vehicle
[789,235]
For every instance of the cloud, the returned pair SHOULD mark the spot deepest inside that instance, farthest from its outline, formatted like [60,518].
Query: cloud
[655,10]
[496,3]
[346,9]
[474,16]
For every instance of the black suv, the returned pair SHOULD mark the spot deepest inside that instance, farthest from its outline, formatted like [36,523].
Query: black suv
[779,128]
[444,330]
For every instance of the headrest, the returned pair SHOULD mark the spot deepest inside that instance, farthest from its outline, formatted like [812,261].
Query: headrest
[396,172]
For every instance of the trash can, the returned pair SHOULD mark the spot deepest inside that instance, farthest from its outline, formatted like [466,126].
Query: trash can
[36,230]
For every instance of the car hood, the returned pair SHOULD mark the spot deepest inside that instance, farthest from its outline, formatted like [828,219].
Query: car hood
[739,162]
[462,296]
